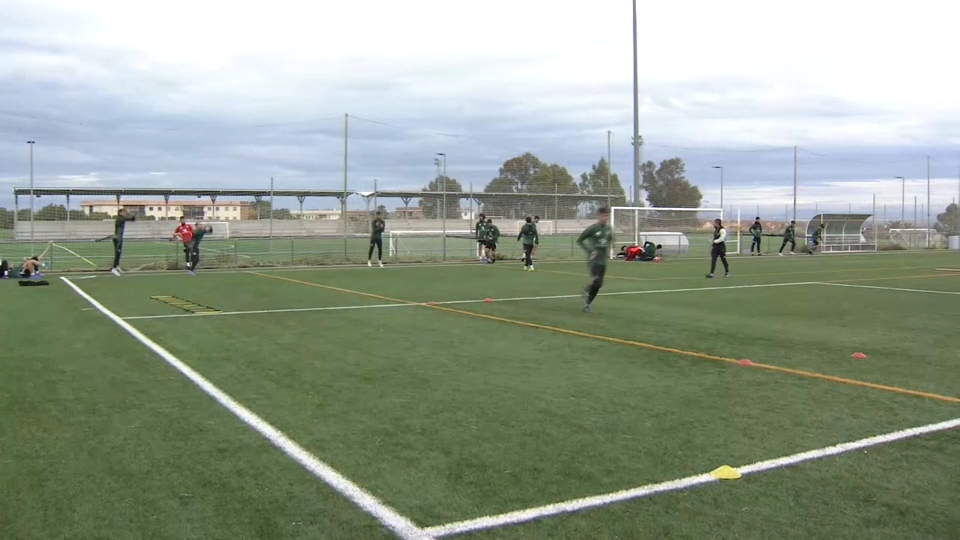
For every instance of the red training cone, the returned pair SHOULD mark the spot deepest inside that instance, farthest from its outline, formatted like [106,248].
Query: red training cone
[431,303]
[858,356]
[488,299]
[745,362]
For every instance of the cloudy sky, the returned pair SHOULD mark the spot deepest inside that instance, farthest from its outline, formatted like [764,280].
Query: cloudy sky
[204,93]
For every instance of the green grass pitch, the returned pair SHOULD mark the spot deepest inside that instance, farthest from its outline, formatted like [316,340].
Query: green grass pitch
[464,408]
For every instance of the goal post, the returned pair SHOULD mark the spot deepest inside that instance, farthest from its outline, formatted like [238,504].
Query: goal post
[221,229]
[680,231]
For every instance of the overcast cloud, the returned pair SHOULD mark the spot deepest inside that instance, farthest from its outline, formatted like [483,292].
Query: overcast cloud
[228,94]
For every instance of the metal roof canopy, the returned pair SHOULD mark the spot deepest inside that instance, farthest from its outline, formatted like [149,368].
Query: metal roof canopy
[838,224]
[163,192]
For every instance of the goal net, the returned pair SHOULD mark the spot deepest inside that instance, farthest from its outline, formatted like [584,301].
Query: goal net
[679,230]
[221,229]
[430,244]
[544,226]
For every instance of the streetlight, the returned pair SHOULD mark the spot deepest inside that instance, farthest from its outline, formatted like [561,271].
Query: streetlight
[903,198]
[443,213]
[637,141]
[721,184]
[31,143]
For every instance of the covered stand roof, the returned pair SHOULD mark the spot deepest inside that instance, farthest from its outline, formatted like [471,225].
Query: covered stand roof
[838,224]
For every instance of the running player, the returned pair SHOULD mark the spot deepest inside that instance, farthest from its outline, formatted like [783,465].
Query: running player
[184,233]
[376,239]
[479,235]
[492,233]
[816,238]
[756,230]
[119,225]
[596,240]
[789,236]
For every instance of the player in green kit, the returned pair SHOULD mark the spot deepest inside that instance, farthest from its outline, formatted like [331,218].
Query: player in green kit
[492,235]
[816,239]
[199,231]
[530,238]
[478,233]
[596,240]
[756,230]
[789,236]
[376,239]
[119,225]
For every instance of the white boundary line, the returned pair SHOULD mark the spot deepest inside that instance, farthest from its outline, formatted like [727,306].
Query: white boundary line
[400,525]
[947,269]
[397,265]
[577,505]
[928,291]
[450,302]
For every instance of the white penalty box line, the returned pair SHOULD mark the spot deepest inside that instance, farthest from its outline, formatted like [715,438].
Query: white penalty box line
[578,505]
[402,526]
[472,301]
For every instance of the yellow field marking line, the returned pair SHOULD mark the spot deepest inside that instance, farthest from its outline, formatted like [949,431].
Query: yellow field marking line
[767,274]
[75,254]
[631,343]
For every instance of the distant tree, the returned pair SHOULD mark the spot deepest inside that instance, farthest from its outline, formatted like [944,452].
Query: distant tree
[261,210]
[282,213]
[667,185]
[595,183]
[432,201]
[949,220]
[534,184]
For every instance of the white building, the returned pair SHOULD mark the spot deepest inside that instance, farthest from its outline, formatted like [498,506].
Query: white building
[205,210]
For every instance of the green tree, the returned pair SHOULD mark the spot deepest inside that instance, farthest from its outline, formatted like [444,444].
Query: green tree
[667,185]
[282,213]
[595,183]
[261,210]
[432,201]
[528,186]
[949,220]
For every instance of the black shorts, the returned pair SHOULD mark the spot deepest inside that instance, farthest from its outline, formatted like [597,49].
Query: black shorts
[719,250]
[528,247]
[376,242]
[490,244]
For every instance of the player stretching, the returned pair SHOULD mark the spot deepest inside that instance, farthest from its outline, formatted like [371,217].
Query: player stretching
[119,224]
[757,231]
[719,250]
[492,233]
[198,233]
[376,239]
[530,239]
[479,235]
[596,241]
[816,238]
[789,236]
[184,233]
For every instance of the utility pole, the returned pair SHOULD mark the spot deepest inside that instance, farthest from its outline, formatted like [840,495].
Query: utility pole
[31,143]
[636,114]
[443,183]
[794,183]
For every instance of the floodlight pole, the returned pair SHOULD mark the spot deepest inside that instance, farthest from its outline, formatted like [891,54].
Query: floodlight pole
[31,143]
[443,212]
[609,169]
[795,183]
[636,114]
[903,199]
[928,202]
[721,184]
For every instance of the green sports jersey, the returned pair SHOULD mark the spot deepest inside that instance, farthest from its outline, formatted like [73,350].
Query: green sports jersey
[479,230]
[790,233]
[377,231]
[649,248]
[198,235]
[529,234]
[597,238]
[492,232]
[756,230]
[818,234]
[120,224]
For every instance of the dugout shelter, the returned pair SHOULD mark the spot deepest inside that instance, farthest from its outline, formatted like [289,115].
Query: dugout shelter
[841,232]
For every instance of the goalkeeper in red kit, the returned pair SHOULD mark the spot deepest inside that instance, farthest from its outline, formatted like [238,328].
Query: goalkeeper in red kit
[184,233]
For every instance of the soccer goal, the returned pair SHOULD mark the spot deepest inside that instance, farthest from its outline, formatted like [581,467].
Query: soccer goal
[430,243]
[221,229]
[544,227]
[678,230]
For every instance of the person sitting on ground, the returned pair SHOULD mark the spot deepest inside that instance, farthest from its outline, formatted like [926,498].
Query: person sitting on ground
[31,268]
[650,251]
[4,269]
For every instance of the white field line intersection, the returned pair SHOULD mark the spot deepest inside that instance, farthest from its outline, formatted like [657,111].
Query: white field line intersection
[388,517]
[578,505]
[474,301]
[900,289]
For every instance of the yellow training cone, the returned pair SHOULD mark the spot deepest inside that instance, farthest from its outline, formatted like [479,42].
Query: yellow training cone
[726,472]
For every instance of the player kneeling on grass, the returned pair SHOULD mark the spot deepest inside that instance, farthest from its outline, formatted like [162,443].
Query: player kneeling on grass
[530,238]
[198,233]
[596,240]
